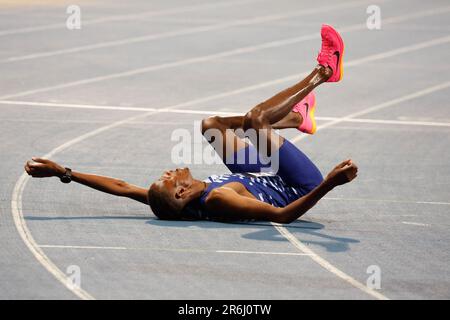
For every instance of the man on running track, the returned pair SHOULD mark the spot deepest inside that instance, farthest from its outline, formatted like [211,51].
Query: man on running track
[245,193]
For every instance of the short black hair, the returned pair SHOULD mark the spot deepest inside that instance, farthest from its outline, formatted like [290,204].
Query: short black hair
[162,205]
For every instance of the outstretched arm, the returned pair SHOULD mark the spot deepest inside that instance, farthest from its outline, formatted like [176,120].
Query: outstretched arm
[228,202]
[43,168]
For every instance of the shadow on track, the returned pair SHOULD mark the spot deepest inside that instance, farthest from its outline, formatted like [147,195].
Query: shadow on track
[269,233]
[300,228]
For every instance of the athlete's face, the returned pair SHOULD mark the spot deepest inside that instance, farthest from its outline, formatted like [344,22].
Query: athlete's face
[171,192]
[173,180]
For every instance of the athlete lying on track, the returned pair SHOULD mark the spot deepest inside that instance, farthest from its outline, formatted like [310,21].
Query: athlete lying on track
[244,194]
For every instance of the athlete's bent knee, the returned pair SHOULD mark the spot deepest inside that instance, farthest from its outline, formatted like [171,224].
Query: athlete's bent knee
[255,119]
[210,123]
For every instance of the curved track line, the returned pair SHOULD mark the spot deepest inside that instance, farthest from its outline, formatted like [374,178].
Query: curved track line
[16,200]
[19,220]
[16,208]
[328,266]
[292,239]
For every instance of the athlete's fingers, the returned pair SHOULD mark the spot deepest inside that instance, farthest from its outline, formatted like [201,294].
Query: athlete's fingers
[31,165]
[36,165]
[40,160]
[343,163]
[352,172]
[27,168]
[354,168]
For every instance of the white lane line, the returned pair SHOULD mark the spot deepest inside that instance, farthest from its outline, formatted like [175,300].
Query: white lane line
[402,50]
[151,13]
[182,32]
[305,249]
[212,112]
[380,106]
[18,216]
[420,14]
[388,200]
[181,121]
[431,202]
[20,223]
[82,247]
[172,250]
[296,76]
[416,224]
[326,265]
[16,201]
[134,16]
[393,122]
[211,27]
[16,208]
[267,253]
[86,106]
[233,52]
[163,66]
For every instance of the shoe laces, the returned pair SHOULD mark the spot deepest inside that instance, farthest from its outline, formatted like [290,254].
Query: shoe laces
[326,51]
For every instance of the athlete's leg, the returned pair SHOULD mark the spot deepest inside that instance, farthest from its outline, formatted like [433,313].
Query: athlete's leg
[275,113]
[294,166]
[217,131]
[237,155]
[264,117]
[229,142]
[273,110]
[292,121]
[287,160]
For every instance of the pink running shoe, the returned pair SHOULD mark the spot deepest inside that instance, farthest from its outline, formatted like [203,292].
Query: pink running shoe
[306,108]
[332,52]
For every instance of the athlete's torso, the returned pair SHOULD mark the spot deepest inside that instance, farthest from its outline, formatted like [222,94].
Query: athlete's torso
[264,187]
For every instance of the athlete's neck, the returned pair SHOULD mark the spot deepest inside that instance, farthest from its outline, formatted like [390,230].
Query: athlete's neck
[197,188]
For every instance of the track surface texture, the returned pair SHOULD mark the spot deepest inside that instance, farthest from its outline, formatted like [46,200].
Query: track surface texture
[106,98]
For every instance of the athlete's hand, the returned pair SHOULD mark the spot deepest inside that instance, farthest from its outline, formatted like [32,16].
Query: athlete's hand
[43,168]
[344,172]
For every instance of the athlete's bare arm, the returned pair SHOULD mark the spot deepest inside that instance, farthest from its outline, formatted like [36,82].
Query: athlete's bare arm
[227,201]
[43,168]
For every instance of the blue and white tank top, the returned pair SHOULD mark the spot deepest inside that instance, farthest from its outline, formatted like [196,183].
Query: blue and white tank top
[265,187]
